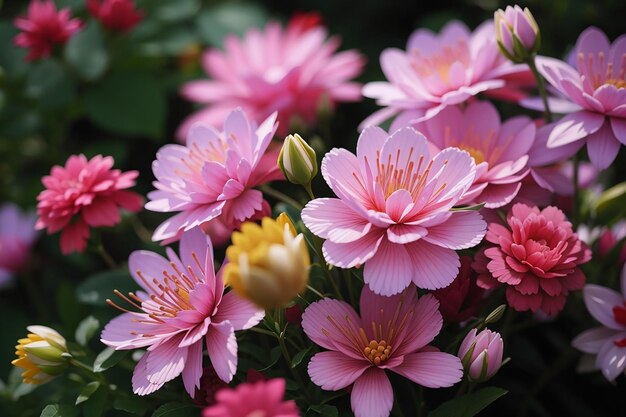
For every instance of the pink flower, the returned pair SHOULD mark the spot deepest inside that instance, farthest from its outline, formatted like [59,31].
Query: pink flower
[43,28]
[393,211]
[499,149]
[208,387]
[392,333]
[17,234]
[259,399]
[181,303]
[481,354]
[442,70]
[607,342]
[211,180]
[537,257]
[597,90]
[517,33]
[115,15]
[84,193]
[293,71]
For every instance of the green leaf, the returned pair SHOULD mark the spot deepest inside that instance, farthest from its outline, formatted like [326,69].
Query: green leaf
[11,58]
[475,207]
[176,410]
[86,330]
[275,354]
[87,54]
[96,289]
[50,85]
[169,11]
[131,404]
[86,392]
[468,405]
[229,18]
[67,306]
[611,205]
[107,358]
[95,405]
[324,410]
[127,103]
[297,358]
[57,410]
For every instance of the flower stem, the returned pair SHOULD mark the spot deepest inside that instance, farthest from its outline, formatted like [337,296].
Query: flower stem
[281,197]
[309,191]
[541,86]
[108,259]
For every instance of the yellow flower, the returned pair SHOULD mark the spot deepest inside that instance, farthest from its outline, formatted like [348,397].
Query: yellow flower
[41,355]
[268,264]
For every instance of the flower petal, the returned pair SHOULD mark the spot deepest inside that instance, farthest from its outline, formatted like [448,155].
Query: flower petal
[222,348]
[372,395]
[333,371]
[431,369]
[600,302]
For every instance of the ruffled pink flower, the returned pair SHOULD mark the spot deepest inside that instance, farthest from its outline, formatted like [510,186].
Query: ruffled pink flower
[116,15]
[259,399]
[393,211]
[499,149]
[17,234]
[597,90]
[293,71]
[43,28]
[392,333]
[211,180]
[83,194]
[607,342]
[440,70]
[182,302]
[537,257]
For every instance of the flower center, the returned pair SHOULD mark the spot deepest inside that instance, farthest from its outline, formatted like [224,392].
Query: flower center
[477,154]
[593,66]
[377,352]
[619,314]
[440,63]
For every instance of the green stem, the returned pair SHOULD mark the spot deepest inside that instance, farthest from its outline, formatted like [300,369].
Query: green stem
[541,86]
[87,370]
[576,197]
[309,191]
[281,197]
[108,259]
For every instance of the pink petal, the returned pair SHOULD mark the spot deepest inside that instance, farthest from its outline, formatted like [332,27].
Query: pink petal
[573,127]
[193,369]
[372,395]
[462,230]
[602,147]
[144,266]
[611,360]
[433,266]
[619,129]
[222,348]
[166,361]
[331,218]
[333,371]
[425,325]
[591,341]
[141,385]
[431,369]
[600,302]
[241,314]
[390,270]
[349,255]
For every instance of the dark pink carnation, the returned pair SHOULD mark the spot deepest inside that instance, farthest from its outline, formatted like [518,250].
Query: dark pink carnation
[115,15]
[462,299]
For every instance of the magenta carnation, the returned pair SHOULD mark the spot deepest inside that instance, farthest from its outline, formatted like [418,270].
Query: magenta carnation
[211,180]
[293,71]
[392,333]
[17,234]
[537,257]
[84,193]
[181,303]
[116,15]
[393,211]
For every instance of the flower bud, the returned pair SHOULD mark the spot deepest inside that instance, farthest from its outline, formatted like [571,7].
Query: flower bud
[42,354]
[481,354]
[268,264]
[517,33]
[297,160]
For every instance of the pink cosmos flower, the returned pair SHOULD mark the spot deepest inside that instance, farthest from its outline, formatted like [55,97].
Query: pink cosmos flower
[392,333]
[116,15]
[293,71]
[440,70]
[499,149]
[17,234]
[597,90]
[537,257]
[259,399]
[211,180]
[182,302]
[43,28]
[607,342]
[393,211]
[84,193]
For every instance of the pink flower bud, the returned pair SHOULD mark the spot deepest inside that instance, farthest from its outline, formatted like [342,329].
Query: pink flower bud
[481,354]
[517,33]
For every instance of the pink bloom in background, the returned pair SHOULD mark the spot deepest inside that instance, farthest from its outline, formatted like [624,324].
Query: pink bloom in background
[597,88]
[259,399]
[210,383]
[43,28]
[392,334]
[536,255]
[17,234]
[499,149]
[181,303]
[607,342]
[393,211]
[211,180]
[293,71]
[462,299]
[440,70]
[481,354]
[83,194]
[116,15]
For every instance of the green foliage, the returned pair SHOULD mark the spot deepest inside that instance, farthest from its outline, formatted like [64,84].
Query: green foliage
[96,289]
[468,405]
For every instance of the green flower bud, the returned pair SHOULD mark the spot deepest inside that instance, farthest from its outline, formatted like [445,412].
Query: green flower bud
[42,354]
[297,160]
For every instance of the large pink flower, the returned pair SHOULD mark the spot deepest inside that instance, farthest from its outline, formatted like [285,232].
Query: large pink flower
[293,71]
[392,333]
[607,342]
[17,233]
[393,211]
[597,89]
[537,257]
[211,180]
[44,27]
[84,193]
[181,303]
[440,70]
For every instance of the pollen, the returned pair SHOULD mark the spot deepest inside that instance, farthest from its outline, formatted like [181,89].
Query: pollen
[377,351]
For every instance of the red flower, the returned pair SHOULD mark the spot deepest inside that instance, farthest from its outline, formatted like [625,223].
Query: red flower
[460,300]
[44,27]
[115,15]
[210,383]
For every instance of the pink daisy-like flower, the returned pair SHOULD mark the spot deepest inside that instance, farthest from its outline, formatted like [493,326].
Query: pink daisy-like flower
[607,342]
[17,234]
[293,71]
[440,70]
[392,334]
[84,193]
[116,15]
[537,257]
[44,27]
[596,89]
[211,180]
[182,302]
[259,399]
[393,211]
